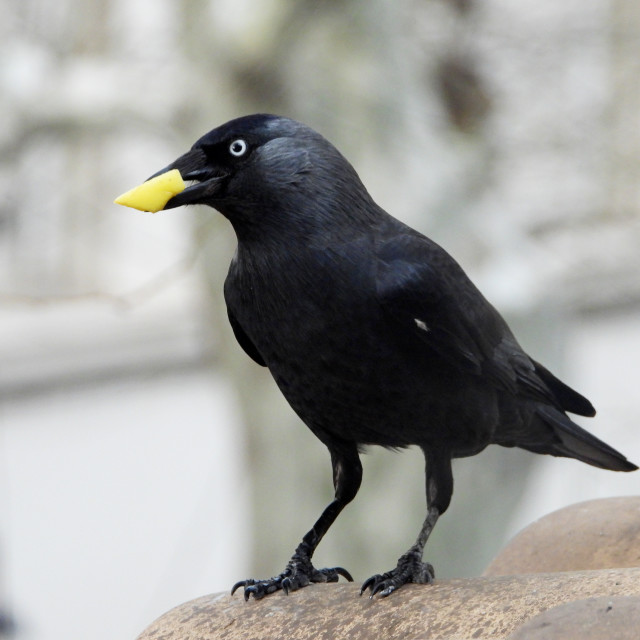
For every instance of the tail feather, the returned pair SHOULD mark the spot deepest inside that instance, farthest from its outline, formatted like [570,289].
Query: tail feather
[572,441]
[569,400]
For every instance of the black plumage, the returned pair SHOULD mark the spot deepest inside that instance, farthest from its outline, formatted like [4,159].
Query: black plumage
[372,332]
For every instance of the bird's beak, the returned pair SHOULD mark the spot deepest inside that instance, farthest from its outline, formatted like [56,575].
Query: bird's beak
[166,189]
[193,165]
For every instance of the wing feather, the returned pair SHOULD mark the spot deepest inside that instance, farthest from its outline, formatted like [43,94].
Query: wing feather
[423,289]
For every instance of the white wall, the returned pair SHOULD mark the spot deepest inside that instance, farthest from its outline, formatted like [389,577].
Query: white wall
[118,502]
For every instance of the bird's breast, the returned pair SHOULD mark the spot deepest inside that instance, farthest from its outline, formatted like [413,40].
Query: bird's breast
[318,330]
[343,369]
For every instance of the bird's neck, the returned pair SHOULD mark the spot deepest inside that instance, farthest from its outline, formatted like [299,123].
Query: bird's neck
[304,222]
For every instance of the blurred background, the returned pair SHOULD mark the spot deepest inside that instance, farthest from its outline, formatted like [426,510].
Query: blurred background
[144,459]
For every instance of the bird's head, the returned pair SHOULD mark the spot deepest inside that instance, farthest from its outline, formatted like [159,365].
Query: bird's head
[265,168]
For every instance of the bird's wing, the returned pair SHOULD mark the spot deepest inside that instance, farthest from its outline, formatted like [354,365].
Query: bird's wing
[425,293]
[244,341]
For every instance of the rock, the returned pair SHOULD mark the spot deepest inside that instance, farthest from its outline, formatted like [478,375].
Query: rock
[604,618]
[598,534]
[487,607]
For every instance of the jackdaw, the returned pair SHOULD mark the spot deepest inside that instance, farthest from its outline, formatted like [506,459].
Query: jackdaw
[373,333]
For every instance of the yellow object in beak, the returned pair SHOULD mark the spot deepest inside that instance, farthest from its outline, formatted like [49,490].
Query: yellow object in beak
[153,194]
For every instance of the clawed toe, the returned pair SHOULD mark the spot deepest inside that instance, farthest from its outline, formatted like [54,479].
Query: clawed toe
[237,585]
[383,584]
[257,588]
[334,574]
[291,579]
[409,569]
[370,582]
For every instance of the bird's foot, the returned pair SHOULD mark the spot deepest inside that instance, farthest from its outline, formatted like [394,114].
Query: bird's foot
[298,573]
[410,568]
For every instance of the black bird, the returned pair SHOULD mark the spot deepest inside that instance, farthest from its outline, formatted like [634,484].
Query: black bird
[373,333]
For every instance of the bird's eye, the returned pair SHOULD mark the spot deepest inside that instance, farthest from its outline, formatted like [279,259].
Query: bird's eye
[238,148]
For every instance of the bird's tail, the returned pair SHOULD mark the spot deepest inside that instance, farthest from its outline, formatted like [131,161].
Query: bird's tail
[569,399]
[572,441]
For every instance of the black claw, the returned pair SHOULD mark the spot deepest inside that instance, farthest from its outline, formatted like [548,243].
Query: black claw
[367,584]
[237,585]
[344,573]
[286,586]
[377,589]
[253,590]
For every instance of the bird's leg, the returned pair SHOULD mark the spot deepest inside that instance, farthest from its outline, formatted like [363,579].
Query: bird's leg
[299,572]
[410,567]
